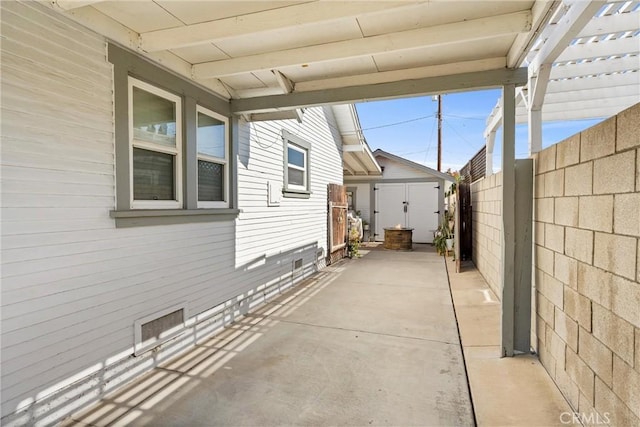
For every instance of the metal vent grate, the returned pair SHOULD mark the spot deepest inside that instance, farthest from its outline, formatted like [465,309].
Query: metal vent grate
[154,329]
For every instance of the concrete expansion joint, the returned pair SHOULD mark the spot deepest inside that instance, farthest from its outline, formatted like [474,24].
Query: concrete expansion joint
[372,333]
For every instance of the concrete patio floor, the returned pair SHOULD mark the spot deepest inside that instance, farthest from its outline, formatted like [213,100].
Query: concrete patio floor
[371,341]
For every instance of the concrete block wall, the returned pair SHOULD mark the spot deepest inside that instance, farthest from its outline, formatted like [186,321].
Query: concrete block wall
[486,200]
[587,267]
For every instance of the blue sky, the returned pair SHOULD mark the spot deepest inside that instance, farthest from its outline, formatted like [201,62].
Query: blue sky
[407,127]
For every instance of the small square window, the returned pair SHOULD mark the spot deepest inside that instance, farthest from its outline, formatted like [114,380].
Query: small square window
[296,163]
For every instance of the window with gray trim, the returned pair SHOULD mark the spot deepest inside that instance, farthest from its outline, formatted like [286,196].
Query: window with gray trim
[296,166]
[173,147]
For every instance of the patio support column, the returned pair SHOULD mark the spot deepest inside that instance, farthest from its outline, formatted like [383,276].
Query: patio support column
[535,131]
[508,220]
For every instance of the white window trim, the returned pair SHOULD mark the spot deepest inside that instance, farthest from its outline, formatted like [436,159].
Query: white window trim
[305,154]
[223,161]
[177,151]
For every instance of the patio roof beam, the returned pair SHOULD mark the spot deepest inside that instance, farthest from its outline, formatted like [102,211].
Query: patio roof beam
[578,15]
[438,35]
[402,74]
[602,93]
[613,80]
[607,48]
[588,103]
[609,24]
[610,65]
[576,114]
[268,20]
[425,86]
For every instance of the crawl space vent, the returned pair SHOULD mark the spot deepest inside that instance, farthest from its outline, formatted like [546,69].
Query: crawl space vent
[153,330]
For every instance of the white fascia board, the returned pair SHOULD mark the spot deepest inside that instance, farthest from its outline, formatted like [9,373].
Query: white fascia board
[353,148]
[438,35]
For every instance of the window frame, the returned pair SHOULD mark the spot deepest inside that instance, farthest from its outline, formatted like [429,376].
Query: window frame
[127,63]
[300,145]
[208,158]
[177,152]
[305,153]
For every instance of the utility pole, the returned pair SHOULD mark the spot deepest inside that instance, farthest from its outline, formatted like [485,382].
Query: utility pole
[439,133]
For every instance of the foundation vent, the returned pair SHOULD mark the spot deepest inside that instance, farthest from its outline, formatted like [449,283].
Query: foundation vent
[153,330]
[297,268]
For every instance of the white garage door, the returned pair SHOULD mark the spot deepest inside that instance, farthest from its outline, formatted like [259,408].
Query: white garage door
[412,205]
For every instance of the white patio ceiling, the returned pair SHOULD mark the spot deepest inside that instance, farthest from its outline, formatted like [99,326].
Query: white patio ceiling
[266,55]
[593,73]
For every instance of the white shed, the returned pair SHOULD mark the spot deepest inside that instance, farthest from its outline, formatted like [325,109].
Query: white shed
[407,193]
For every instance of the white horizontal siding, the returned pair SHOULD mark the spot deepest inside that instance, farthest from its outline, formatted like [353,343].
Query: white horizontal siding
[396,170]
[263,229]
[73,284]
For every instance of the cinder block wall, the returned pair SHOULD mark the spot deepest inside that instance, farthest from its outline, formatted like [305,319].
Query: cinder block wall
[486,200]
[587,267]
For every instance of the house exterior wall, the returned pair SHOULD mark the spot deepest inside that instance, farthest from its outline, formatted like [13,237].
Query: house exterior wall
[72,283]
[587,249]
[486,202]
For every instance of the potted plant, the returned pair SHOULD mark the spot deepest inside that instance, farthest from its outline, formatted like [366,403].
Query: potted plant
[443,240]
[354,243]
[365,225]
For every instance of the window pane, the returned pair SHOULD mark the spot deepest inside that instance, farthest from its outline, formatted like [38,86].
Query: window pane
[211,133]
[154,118]
[295,157]
[210,181]
[153,177]
[296,177]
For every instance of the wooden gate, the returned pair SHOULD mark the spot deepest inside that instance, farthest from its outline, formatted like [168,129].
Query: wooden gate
[337,222]
[465,221]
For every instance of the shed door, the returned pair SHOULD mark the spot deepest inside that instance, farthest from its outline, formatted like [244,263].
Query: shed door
[389,207]
[412,205]
[422,210]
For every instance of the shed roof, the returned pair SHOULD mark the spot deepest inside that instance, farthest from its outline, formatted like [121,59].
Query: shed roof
[413,165]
